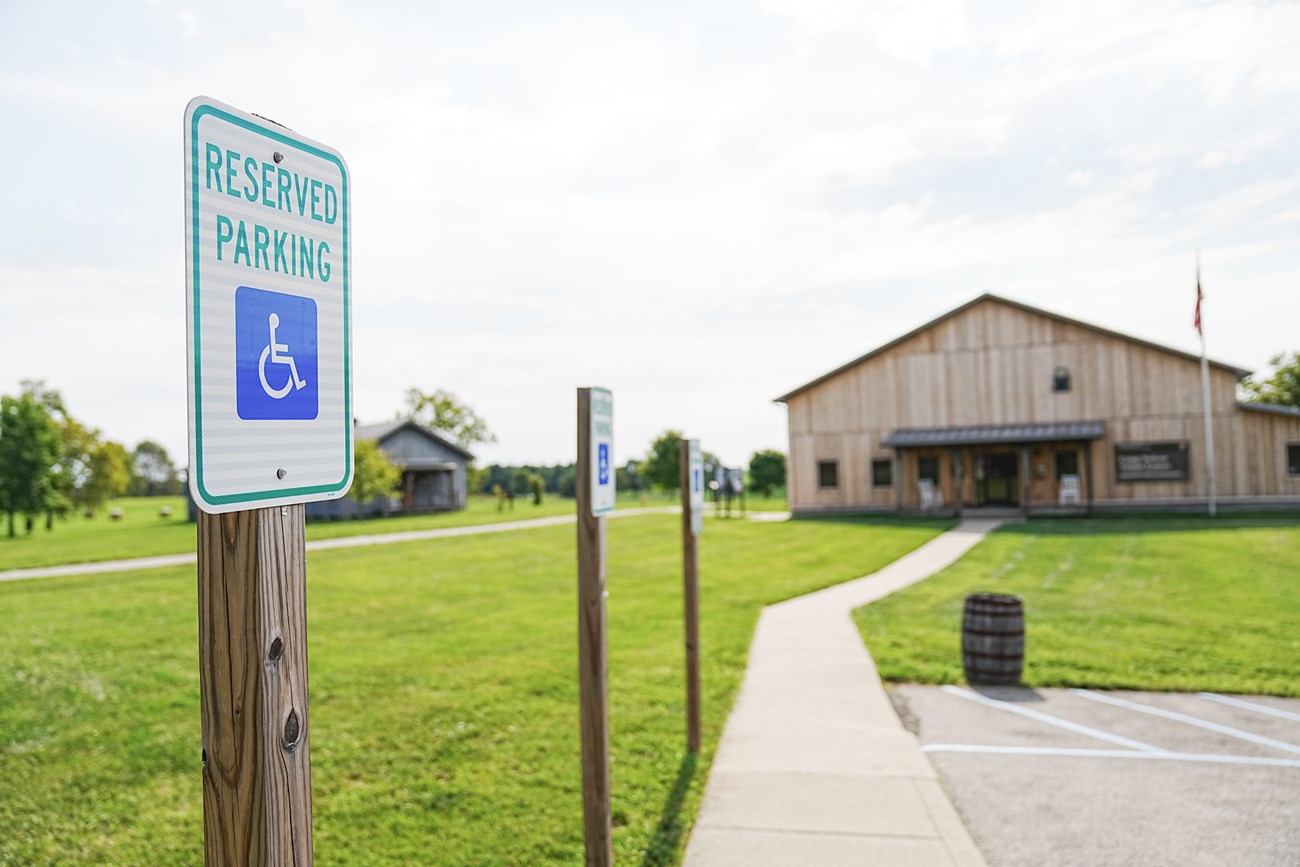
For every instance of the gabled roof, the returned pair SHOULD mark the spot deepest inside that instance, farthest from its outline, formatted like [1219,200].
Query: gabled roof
[1236,371]
[386,429]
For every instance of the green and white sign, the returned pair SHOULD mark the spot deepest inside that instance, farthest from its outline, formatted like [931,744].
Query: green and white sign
[268,312]
[696,475]
[602,451]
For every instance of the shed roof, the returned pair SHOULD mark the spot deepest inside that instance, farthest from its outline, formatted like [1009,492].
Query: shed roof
[987,296]
[996,434]
[383,430]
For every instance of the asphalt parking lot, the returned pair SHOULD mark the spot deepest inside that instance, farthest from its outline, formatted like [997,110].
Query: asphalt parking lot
[1081,777]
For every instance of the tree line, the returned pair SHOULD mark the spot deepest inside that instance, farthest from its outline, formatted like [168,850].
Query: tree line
[659,470]
[52,465]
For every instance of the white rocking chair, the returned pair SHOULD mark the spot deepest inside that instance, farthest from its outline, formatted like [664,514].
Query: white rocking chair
[1070,490]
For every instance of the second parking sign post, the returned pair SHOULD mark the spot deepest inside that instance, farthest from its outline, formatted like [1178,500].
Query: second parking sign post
[268,334]
[595,495]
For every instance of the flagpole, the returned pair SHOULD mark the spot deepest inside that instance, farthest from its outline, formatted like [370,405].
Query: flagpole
[1205,397]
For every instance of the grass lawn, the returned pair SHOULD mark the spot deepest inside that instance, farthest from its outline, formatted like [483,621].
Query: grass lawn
[1179,604]
[143,533]
[443,683]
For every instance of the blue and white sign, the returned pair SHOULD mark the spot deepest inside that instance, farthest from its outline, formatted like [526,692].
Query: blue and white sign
[602,451]
[275,355]
[696,474]
[268,312]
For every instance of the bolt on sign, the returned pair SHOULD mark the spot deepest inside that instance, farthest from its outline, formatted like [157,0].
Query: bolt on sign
[268,312]
[602,451]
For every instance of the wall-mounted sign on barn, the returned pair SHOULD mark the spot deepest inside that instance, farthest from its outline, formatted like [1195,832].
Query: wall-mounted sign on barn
[1151,462]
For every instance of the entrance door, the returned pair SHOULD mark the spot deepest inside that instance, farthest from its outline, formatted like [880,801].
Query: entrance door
[997,484]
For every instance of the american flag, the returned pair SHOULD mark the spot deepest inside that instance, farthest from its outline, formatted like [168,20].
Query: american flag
[1199,296]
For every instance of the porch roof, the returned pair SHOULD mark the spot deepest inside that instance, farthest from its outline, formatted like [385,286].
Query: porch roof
[996,434]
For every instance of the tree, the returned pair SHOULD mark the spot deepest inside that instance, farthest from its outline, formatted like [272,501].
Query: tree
[29,449]
[767,470]
[90,470]
[110,474]
[443,412]
[152,471]
[1282,388]
[373,474]
[662,467]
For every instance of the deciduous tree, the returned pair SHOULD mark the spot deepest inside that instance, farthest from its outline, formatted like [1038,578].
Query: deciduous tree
[662,467]
[373,474]
[767,470]
[443,412]
[1282,388]
[29,449]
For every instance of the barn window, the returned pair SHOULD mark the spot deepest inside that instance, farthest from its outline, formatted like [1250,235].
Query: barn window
[928,468]
[1293,459]
[882,473]
[1067,464]
[1061,379]
[828,474]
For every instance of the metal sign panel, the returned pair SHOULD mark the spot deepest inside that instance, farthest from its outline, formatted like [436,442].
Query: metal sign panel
[1151,462]
[268,312]
[697,486]
[602,451]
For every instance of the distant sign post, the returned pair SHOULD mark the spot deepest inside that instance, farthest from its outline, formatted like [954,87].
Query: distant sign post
[268,331]
[692,470]
[595,495]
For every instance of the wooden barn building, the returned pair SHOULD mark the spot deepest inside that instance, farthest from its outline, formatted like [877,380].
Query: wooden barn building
[997,404]
[433,473]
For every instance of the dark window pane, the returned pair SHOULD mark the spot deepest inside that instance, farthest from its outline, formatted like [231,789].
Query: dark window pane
[928,468]
[1293,459]
[828,474]
[1061,379]
[1067,464]
[882,472]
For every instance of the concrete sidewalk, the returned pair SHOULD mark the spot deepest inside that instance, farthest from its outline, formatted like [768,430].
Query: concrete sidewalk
[165,560]
[814,767]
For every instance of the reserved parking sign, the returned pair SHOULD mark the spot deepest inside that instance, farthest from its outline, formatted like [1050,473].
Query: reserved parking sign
[268,312]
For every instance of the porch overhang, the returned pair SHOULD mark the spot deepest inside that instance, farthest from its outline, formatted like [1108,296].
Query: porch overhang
[995,434]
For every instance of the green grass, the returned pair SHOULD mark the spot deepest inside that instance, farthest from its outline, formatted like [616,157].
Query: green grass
[143,533]
[443,683]
[1179,604]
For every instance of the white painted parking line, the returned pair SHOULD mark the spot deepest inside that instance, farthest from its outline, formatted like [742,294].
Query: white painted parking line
[1250,705]
[1053,720]
[1189,720]
[1069,752]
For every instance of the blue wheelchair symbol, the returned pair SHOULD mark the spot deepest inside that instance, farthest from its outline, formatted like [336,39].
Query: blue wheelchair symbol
[276,355]
[602,464]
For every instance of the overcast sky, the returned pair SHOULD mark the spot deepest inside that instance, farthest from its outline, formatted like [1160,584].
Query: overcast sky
[698,205]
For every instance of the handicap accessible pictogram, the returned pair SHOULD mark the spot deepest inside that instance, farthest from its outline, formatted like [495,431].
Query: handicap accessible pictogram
[276,355]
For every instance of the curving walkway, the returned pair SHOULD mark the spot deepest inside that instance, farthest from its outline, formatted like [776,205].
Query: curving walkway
[322,544]
[814,766]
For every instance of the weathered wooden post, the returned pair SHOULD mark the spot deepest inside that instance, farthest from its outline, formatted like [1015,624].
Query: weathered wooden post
[595,496]
[268,334]
[253,687]
[692,477]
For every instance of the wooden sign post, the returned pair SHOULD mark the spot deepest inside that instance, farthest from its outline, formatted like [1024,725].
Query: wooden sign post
[253,687]
[594,474]
[269,362]
[692,477]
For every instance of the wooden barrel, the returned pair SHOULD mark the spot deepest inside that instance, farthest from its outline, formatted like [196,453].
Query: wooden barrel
[993,639]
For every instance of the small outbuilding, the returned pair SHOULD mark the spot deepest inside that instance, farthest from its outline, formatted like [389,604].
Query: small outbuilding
[433,473]
[997,404]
